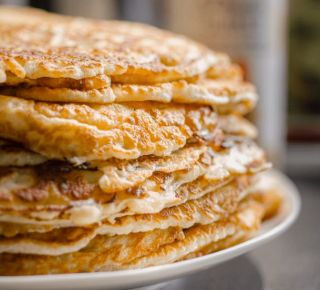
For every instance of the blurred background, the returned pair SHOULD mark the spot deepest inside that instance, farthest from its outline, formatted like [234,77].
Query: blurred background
[277,42]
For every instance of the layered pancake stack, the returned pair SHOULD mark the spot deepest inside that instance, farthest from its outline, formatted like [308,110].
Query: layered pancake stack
[123,146]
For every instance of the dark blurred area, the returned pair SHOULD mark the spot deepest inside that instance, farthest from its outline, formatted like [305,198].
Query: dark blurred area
[277,42]
[304,71]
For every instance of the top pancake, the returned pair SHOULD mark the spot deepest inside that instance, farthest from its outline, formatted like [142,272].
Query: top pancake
[35,44]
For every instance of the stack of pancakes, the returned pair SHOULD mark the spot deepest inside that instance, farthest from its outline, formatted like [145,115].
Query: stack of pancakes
[123,146]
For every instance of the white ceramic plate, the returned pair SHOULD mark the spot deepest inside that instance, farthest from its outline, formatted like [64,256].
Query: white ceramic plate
[142,277]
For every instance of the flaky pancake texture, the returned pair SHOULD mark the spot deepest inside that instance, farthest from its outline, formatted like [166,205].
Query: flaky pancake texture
[122,146]
[225,96]
[82,133]
[13,154]
[36,44]
[59,196]
[137,250]
[210,208]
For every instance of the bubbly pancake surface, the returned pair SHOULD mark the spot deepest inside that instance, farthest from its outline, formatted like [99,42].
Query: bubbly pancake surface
[214,206]
[136,250]
[210,209]
[64,196]
[101,250]
[13,154]
[124,146]
[82,133]
[49,45]
[225,96]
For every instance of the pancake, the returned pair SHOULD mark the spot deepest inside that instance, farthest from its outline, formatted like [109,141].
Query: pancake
[102,249]
[210,208]
[245,221]
[237,125]
[97,82]
[225,96]
[55,242]
[226,71]
[266,192]
[228,242]
[121,175]
[82,133]
[61,197]
[122,252]
[102,96]
[13,154]
[124,146]
[36,44]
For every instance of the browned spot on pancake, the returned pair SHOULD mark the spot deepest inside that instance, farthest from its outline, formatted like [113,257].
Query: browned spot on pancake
[137,191]
[5,196]
[34,193]
[77,188]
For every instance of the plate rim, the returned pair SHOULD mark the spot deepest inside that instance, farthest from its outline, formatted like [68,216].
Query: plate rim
[175,270]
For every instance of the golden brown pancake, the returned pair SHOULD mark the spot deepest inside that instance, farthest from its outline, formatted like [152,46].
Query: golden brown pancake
[226,71]
[97,82]
[266,191]
[268,196]
[124,146]
[60,195]
[224,96]
[237,125]
[215,246]
[36,44]
[212,207]
[13,154]
[137,250]
[82,133]
[246,220]
[102,249]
